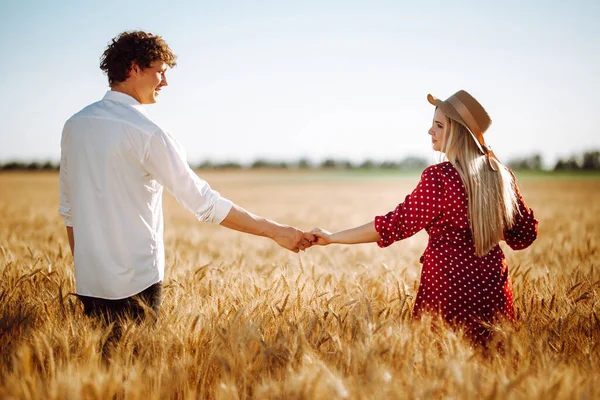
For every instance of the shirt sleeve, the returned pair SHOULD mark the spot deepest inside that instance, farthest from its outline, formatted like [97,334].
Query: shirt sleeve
[525,228]
[419,209]
[165,161]
[65,199]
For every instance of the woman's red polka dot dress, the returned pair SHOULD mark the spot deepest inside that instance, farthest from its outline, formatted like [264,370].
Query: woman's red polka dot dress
[462,287]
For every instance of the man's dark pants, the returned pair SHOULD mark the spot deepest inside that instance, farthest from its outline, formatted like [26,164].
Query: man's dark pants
[132,307]
[137,308]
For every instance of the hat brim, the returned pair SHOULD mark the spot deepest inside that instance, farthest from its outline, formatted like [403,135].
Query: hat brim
[451,113]
[434,101]
[447,109]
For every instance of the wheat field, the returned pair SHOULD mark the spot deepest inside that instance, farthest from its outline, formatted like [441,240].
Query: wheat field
[244,319]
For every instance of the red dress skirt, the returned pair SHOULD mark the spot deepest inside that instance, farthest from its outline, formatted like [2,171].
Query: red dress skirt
[463,288]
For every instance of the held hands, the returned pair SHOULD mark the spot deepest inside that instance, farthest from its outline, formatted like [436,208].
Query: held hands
[299,240]
[322,237]
[293,239]
[286,236]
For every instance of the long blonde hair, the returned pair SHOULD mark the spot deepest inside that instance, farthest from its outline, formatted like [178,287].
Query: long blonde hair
[492,201]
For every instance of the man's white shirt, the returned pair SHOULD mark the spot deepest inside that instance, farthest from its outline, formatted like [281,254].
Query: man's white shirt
[114,163]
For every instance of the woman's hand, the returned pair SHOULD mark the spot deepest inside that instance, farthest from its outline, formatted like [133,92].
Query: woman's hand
[322,237]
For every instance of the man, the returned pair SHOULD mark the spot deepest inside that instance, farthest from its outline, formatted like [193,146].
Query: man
[115,162]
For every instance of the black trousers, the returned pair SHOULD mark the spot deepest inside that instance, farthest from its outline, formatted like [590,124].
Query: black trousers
[134,307]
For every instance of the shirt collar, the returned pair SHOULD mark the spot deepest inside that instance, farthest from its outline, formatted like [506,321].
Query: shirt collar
[123,98]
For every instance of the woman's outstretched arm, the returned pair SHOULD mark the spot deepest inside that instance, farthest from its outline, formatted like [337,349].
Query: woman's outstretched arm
[361,234]
[419,209]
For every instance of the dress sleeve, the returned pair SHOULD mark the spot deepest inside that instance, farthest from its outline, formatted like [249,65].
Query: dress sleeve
[525,228]
[419,209]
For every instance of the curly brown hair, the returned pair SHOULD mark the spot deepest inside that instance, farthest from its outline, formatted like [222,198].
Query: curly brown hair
[137,47]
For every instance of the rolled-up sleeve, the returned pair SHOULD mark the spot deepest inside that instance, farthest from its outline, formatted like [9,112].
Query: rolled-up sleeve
[65,199]
[165,161]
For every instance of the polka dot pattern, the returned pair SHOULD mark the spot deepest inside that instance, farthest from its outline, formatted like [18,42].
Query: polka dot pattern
[463,288]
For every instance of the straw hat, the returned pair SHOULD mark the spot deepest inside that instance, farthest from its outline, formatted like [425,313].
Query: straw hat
[467,111]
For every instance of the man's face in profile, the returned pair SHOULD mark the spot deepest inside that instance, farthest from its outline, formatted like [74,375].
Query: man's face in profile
[148,82]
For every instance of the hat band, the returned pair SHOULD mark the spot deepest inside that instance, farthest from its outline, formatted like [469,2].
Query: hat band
[466,115]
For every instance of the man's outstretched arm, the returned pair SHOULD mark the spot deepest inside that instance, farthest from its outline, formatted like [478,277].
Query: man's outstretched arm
[286,236]
[165,162]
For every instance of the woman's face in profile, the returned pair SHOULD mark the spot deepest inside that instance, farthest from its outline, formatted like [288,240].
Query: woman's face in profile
[438,130]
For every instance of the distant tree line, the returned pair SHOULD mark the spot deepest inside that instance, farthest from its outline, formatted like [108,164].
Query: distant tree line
[29,166]
[329,163]
[409,163]
[588,161]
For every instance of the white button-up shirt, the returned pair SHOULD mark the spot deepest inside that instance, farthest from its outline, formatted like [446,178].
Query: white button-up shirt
[114,163]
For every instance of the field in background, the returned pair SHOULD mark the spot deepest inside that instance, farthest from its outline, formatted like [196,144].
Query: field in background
[242,318]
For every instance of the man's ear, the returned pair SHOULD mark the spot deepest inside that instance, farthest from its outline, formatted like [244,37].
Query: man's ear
[134,69]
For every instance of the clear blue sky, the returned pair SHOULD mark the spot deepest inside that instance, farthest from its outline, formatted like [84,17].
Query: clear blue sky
[284,80]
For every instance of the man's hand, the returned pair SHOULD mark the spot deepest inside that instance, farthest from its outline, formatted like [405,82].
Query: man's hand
[293,239]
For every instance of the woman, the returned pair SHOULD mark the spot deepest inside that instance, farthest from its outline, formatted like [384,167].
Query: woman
[467,205]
